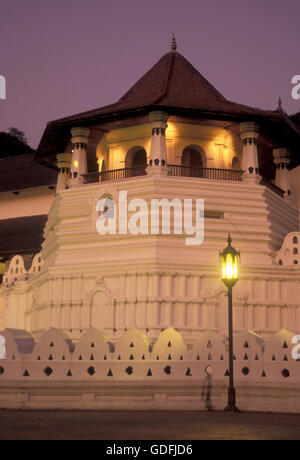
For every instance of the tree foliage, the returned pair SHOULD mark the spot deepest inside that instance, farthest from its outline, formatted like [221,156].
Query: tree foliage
[15,132]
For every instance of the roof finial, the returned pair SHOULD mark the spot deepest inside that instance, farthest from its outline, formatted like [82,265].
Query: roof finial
[174,44]
[229,240]
[279,104]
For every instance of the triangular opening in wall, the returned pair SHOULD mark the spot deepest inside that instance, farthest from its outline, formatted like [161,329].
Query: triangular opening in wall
[92,345]
[63,358]
[157,358]
[38,358]
[221,358]
[131,357]
[256,358]
[245,357]
[26,373]
[226,373]
[131,345]
[169,357]
[169,344]
[263,374]
[109,374]
[51,345]
[92,358]
[188,372]
[209,345]
[143,357]
[80,358]
[198,358]
[234,357]
[285,345]
[13,357]
[50,358]
[285,358]
[209,357]
[273,358]
[246,345]
[105,358]
[69,373]
[119,357]
[181,358]
[149,373]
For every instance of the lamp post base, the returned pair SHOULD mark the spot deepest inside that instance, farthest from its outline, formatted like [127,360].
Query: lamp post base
[231,401]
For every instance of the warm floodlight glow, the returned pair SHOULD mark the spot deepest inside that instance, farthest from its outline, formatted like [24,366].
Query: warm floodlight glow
[76,164]
[229,264]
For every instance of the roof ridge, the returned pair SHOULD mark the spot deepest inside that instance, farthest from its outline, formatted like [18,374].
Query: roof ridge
[166,84]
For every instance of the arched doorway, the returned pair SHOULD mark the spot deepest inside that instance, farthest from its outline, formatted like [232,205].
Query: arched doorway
[102,312]
[192,162]
[136,160]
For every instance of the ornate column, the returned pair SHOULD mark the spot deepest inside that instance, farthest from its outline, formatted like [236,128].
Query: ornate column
[249,135]
[79,162]
[282,178]
[63,161]
[158,156]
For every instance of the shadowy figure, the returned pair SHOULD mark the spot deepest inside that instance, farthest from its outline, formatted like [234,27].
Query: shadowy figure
[206,393]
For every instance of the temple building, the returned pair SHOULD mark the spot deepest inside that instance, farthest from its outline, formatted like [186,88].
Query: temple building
[27,190]
[171,136]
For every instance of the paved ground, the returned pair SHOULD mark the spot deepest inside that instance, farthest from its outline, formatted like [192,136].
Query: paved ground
[70,425]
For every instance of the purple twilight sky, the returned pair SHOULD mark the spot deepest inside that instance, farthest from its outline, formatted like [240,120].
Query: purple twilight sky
[60,57]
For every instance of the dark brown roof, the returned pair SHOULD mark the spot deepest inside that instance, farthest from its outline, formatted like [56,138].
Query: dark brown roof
[296,119]
[172,84]
[23,172]
[21,235]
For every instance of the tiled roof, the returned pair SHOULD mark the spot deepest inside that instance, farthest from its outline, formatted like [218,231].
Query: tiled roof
[23,172]
[21,235]
[172,84]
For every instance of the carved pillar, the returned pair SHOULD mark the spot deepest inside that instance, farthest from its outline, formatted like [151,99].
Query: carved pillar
[282,178]
[63,161]
[158,156]
[79,161]
[249,135]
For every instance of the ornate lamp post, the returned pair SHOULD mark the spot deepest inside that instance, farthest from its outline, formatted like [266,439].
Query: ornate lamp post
[229,259]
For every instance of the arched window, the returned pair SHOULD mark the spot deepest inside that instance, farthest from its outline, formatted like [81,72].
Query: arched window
[136,160]
[192,162]
[139,158]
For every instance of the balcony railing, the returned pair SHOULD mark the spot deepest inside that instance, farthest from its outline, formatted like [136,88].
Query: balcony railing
[114,175]
[174,170]
[205,173]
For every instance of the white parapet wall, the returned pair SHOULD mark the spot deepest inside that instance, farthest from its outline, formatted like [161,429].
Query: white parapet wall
[133,374]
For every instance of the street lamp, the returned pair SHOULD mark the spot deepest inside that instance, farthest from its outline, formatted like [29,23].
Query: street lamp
[229,260]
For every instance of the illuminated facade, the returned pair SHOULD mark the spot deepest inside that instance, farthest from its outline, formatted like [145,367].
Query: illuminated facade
[172,135]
